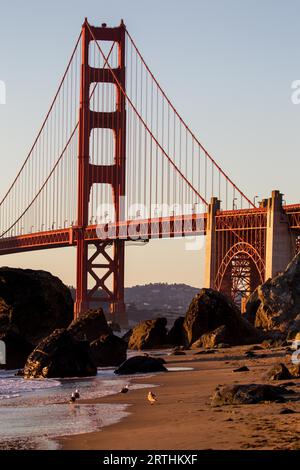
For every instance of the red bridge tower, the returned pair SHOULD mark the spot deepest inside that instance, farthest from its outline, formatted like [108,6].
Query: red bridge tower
[89,174]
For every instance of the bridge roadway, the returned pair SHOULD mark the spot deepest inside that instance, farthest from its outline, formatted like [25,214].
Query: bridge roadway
[163,227]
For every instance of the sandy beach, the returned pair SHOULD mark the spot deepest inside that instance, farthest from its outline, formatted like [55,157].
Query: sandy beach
[183,417]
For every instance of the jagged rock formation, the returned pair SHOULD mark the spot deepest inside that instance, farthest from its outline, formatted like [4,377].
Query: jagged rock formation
[17,348]
[108,350]
[278,372]
[149,334]
[176,335]
[60,355]
[33,303]
[90,325]
[275,305]
[210,310]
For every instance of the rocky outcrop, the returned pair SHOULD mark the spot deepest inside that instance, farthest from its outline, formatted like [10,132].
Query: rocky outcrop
[149,334]
[60,355]
[108,351]
[210,310]
[247,394]
[33,302]
[176,335]
[275,305]
[89,326]
[141,364]
[278,372]
[17,349]
[215,337]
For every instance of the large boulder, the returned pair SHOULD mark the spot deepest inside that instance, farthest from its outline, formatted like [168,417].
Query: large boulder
[149,334]
[176,335]
[210,310]
[140,365]
[275,305]
[90,325]
[108,351]
[17,349]
[247,394]
[33,302]
[60,355]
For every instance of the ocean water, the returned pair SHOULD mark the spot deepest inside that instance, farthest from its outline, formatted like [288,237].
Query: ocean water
[34,412]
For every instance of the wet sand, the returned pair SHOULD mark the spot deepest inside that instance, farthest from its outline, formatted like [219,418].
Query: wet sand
[183,417]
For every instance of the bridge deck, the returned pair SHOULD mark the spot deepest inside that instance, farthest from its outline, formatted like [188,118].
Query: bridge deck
[147,229]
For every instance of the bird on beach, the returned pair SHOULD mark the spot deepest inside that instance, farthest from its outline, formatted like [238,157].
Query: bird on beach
[77,394]
[124,389]
[152,398]
[73,398]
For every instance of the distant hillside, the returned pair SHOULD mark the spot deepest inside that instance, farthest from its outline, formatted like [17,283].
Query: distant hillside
[161,296]
[153,300]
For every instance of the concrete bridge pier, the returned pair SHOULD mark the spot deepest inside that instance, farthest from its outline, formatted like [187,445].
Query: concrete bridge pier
[248,247]
[211,244]
[280,242]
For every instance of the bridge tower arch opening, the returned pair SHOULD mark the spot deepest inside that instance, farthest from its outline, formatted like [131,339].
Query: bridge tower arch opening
[240,272]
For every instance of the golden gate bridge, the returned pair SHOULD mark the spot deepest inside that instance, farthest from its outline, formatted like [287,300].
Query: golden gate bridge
[114,161]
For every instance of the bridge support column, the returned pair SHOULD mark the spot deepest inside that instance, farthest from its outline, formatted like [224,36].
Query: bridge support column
[90,174]
[210,244]
[279,240]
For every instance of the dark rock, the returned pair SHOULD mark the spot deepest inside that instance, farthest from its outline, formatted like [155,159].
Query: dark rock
[141,364]
[149,334]
[108,350]
[126,336]
[210,310]
[176,335]
[114,326]
[293,333]
[60,355]
[205,351]
[17,348]
[247,394]
[256,347]
[34,302]
[287,411]
[241,369]
[223,345]
[181,348]
[250,354]
[278,372]
[275,305]
[89,326]
[177,352]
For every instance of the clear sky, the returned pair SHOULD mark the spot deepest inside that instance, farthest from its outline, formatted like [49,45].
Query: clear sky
[227,65]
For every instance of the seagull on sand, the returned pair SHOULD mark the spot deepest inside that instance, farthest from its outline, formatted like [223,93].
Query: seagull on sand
[77,394]
[151,398]
[124,389]
[73,398]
